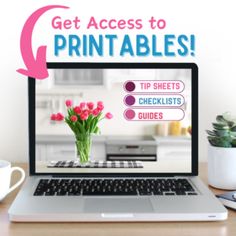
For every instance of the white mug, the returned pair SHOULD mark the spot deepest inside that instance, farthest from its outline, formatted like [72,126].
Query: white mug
[5,178]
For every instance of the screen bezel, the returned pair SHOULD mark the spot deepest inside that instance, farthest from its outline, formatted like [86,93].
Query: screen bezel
[85,65]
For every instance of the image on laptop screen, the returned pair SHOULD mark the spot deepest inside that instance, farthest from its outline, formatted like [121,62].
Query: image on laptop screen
[136,120]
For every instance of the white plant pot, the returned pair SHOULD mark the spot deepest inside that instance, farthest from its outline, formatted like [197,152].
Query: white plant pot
[222,167]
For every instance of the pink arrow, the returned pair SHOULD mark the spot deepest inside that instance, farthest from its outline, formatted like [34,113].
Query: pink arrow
[35,67]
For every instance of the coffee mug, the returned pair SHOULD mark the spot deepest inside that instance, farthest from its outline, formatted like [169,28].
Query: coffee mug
[5,178]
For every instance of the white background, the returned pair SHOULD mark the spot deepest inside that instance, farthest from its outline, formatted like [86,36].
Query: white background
[213,23]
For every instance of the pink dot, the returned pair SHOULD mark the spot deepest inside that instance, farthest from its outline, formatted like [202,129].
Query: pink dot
[130,86]
[130,100]
[129,114]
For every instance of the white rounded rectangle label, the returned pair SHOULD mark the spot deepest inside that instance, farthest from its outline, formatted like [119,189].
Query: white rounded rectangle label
[154,100]
[154,86]
[147,114]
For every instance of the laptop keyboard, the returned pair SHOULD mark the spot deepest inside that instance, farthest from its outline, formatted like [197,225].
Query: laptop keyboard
[113,187]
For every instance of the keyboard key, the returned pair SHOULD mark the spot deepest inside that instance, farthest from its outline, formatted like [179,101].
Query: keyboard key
[180,192]
[38,193]
[169,193]
[192,193]
[61,193]
[157,193]
[49,193]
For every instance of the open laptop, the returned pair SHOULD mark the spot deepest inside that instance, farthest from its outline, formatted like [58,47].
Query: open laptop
[143,164]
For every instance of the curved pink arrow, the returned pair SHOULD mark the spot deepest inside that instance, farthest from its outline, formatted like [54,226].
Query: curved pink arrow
[35,67]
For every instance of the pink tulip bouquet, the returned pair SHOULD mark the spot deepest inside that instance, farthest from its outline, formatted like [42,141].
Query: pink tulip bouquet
[83,120]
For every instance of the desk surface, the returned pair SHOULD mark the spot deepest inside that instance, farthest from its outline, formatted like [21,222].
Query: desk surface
[223,228]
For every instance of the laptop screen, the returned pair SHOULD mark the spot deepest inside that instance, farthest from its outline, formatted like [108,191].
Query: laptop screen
[111,118]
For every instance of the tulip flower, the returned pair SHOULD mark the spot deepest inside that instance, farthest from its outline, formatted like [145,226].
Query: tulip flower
[100,105]
[53,117]
[109,115]
[90,105]
[69,103]
[73,118]
[59,116]
[86,112]
[82,105]
[84,116]
[77,110]
[96,112]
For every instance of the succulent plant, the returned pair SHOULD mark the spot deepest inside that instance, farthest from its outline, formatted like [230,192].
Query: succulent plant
[224,131]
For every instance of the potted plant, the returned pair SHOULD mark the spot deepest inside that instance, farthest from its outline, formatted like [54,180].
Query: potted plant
[222,153]
[83,120]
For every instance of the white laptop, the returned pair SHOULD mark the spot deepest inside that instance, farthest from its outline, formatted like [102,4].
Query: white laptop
[143,165]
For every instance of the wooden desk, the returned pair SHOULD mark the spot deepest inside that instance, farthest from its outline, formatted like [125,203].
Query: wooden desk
[223,228]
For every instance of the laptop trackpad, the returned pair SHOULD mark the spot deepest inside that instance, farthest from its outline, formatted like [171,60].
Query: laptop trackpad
[130,205]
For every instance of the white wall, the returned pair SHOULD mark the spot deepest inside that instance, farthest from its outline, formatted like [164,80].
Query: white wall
[213,23]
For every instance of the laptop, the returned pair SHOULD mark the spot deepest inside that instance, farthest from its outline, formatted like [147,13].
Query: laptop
[143,159]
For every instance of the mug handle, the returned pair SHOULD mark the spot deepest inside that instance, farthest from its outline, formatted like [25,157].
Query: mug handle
[21,179]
